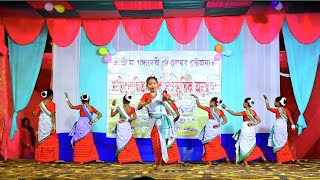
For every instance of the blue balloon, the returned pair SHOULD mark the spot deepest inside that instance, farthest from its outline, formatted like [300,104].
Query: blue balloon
[227,53]
[274,3]
[112,51]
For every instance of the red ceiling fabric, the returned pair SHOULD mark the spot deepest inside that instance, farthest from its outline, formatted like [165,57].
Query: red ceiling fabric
[224,29]
[183,30]
[304,27]
[40,4]
[223,4]
[100,31]
[3,47]
[142,31]
[265,23]
[23,30]
[63,30]
[138,5]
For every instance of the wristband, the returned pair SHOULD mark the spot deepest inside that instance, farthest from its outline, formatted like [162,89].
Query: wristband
[293,126]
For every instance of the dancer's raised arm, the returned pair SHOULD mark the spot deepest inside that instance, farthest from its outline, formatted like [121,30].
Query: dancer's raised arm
[267,102]
[230,111]
[198,103]
[68,101]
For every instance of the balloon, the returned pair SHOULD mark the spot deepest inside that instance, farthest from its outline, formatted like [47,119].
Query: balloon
[217,57]
[275,3]
[48,7]
[103,51]
[227,53]
[218,48]
[113,52]
[59,8]
[279,7]
[107,58]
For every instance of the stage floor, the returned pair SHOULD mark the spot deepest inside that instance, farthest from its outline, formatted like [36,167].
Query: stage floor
[28,169]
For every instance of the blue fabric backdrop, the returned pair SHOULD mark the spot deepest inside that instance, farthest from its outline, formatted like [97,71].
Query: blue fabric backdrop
[25,63]
[303,62]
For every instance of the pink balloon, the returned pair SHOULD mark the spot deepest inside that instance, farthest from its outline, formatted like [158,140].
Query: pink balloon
[217,57]
[107,59]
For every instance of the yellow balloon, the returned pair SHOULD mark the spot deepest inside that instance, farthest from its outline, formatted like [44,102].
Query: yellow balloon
[103,51]
[59,8]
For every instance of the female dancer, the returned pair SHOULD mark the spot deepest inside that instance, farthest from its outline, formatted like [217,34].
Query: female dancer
[162,132]
[27,139]
[246,148]
[278,138]
[82,138]
[48,143]
[210,134]
[127,149]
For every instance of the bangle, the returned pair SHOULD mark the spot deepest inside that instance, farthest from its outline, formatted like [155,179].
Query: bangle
[227,109]
[67,99]
[113,107]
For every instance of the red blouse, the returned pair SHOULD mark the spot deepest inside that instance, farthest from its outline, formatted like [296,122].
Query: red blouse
[221,114]
[276,110]
[51,106]
[246,118]
[131,111]
[82,113]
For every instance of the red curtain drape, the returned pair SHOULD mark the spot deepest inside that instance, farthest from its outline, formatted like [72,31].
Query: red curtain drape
[142,31]
[139,5]
[306,146]
[183,29]
[100,31]
[63,30]
[224,29]
[3,47]
[23,30]
[264,23]
[304,27]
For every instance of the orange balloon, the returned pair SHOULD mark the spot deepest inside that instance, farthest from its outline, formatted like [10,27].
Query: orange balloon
[218,48]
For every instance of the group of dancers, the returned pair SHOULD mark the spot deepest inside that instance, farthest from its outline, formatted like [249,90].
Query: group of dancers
[163,114]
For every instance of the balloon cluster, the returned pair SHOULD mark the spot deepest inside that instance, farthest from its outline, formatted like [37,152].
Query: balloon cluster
[219,49]
[107,54]
[277,5]
[59,8]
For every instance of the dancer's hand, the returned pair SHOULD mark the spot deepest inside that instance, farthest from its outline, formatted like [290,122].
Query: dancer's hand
[91,122]
[293,127]
[216,126]
[148,101]
[250,124]
[121,121]
[66,94]
[113,102]
[265,97]
[223,106]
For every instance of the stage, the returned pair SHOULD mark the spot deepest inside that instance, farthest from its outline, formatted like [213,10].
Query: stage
[29,169]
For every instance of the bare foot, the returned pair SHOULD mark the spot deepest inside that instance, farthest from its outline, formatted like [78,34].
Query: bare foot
[99,161]
[245,164]
[278,163]
[180,162]
[264,159]
[39,162]
[228,161]
[59,161]
[141,162]
[81,163]
[157,167]
[210,163]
